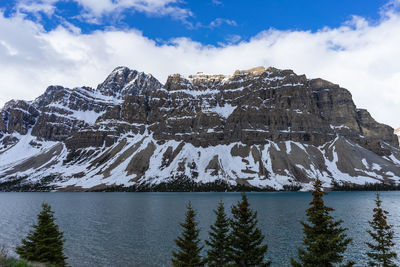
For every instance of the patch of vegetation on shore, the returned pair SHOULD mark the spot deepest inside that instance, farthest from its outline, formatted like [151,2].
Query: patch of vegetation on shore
[6,261]
[12,262]
[365,187]
[19,184]
[185,184]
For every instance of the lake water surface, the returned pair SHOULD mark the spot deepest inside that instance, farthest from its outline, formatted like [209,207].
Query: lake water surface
[138,229]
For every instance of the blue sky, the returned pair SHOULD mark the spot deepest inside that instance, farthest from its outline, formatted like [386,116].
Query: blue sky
[214,22]
[79,42]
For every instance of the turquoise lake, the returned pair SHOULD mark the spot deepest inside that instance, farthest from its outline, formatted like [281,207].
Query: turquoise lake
[138,229]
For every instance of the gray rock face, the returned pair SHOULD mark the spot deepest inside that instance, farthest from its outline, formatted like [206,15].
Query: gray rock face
[263,127]
[65,111]
[18,116]
[250,107]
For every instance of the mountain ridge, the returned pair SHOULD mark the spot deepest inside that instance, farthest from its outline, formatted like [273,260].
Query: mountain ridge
[259,127]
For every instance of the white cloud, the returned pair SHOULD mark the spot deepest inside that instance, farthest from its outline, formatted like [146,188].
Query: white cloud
[94,10]
[219,21]
[359,56]
[33,6]
[217,2]
[231,39]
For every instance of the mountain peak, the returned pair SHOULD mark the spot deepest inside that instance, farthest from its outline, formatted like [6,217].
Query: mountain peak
[257,71]
[49,95]
[121,68]
[124,81]
[253,71]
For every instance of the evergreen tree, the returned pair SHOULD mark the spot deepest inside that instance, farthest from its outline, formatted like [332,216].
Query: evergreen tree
[246,239]
[381,253]
[325,241]
[218,254]
[188,243]
[45,242]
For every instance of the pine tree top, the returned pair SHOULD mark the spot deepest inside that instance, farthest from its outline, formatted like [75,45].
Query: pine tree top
[324,240]
[221,225]
[45,242]
[218,254]
[246,238]
[188,243]
[381,249]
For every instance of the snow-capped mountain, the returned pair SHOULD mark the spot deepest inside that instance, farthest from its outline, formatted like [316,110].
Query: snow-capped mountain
[259,127]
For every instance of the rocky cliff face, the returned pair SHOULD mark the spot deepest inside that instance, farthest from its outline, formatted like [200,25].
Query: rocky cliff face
[260,127]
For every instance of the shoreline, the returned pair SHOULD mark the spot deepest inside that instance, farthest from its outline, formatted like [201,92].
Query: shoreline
[203,188]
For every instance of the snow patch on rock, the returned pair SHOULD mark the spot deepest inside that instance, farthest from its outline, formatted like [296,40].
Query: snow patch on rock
[224,111]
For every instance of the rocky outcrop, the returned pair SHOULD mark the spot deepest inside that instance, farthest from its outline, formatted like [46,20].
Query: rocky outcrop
[261,127]
[18,116]
[65,111]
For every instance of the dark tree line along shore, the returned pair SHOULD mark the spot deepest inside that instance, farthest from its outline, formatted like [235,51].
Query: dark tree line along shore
[235,241]
[183,183]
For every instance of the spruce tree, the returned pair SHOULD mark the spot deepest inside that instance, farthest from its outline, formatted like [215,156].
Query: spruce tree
[324,241]
[218,254]
[45,242]
[246,239]
[188,254]
[381,253]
